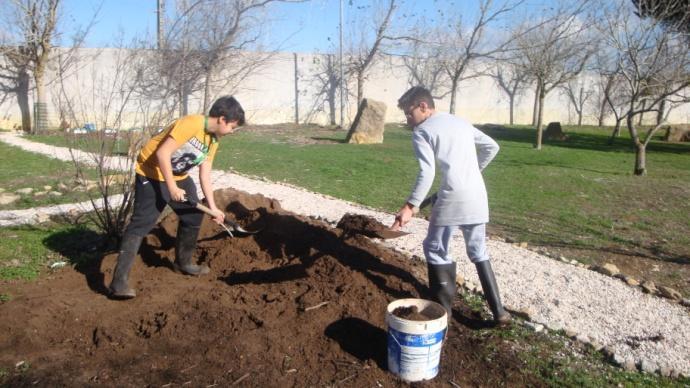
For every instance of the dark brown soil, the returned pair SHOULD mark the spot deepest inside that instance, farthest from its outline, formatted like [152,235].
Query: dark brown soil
[299,304]
[412,313]
[360,224]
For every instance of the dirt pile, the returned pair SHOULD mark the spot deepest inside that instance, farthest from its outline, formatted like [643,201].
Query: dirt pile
[299,304]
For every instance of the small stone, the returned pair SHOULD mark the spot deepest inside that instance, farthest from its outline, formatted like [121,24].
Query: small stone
[555,326]
[459,280]
[649,287]
[523,244]
[563,259]
[607,269]
[26,190]
[596,345]
[47,188]
[583,338]
[631,281]
[670,293]
[8,198]
[525,313]
[62,187]
[648,366]
[55,194]
[536,327]
[574,262]
[40,193]
[41,217]
[629,365]
[14,263]
[665,371]
[617,359]
[570,333]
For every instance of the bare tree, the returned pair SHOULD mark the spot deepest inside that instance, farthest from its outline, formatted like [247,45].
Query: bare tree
[578,95]
[464,45]
[367,51]
[326,79]
[35,23]
[510,78]
[674,14]
[553,53]
[422,60]
[653,63]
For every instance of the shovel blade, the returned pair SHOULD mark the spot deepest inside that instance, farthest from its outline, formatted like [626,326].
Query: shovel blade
[387,233]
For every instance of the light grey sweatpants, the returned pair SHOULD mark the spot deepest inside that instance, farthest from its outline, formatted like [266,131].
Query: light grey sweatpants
[437,243]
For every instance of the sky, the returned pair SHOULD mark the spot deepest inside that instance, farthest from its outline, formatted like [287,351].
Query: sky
[309,26]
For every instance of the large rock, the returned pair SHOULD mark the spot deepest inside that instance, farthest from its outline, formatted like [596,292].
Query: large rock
[369,123]
[677,133]
[554,131]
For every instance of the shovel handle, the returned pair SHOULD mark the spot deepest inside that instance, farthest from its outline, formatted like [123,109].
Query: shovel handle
[210,212]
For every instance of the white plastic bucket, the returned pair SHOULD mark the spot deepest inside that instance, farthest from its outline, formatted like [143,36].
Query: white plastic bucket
[414,347]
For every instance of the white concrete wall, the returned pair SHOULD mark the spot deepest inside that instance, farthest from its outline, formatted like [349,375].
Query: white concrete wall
[268,94]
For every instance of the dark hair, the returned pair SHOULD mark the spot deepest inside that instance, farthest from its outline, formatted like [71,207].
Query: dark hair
[228,107]
[414,96]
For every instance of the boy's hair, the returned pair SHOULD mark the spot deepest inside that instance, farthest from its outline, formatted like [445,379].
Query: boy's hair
[228,107]
[414,96]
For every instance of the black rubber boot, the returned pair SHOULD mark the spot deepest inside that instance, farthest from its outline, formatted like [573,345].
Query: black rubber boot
[184,251]
[442,284]
[119,289]
[493,298]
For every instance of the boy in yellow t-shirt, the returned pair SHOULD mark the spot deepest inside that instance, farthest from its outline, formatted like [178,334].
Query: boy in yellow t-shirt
[161,179]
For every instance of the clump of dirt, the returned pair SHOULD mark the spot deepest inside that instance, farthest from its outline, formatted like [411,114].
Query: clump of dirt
[360,224]
[412,313]
[298,304]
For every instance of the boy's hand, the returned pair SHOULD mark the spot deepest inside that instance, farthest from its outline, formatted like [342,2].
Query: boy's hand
[177,194]
[219,217]
[403,217]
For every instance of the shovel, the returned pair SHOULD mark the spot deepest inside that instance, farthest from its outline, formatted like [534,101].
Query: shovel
[387,233]
[230,226]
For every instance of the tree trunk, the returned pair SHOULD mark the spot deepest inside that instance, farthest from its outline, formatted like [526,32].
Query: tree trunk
[640,149]
[535,110]
[616,132]
[360,87]
[640,159]
[639,122]
[41,112]
[23,100]
[453,96]
[207,93]
[512,108]
[540,117]
[579,118]
[660,113]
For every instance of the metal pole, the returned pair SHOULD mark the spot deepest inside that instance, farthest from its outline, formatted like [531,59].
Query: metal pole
[296,91]
[342,78]
[161,18]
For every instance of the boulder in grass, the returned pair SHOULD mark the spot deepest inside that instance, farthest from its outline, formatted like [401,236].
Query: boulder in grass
[369,123]
[554,131]
[8,198]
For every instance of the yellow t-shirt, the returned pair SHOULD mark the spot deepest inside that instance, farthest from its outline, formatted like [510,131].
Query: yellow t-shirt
[195,146]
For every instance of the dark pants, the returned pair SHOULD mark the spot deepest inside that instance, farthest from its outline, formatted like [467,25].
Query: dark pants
[151,197]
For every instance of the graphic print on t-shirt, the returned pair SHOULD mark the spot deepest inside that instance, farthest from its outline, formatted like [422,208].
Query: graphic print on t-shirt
[190,154]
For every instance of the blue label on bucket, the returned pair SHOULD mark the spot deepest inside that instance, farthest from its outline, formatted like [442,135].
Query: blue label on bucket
[414,357]
[406,339]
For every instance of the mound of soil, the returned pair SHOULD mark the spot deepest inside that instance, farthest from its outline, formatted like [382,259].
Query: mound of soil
[360,224]
[299,304]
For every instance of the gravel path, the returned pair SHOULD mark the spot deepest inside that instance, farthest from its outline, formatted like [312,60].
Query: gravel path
[639,329]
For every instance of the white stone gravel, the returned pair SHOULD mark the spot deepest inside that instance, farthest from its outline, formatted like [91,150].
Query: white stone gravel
[559,295]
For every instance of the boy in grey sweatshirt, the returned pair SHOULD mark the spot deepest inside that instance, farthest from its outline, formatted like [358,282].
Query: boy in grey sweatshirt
[460,151]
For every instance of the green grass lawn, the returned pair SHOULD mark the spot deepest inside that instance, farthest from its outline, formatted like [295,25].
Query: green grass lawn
[578,193]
